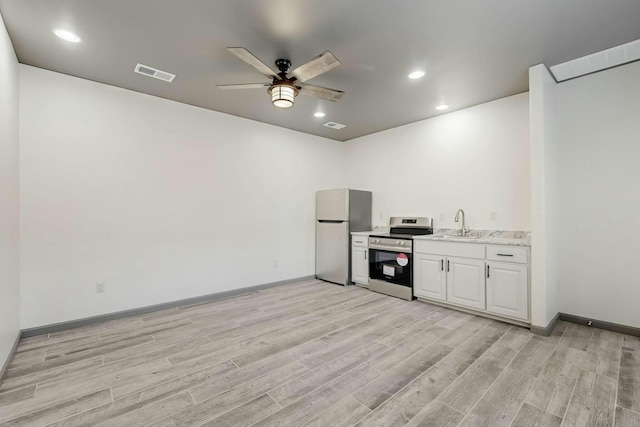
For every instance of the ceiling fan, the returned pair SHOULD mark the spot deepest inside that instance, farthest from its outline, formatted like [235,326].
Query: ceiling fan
[286,85]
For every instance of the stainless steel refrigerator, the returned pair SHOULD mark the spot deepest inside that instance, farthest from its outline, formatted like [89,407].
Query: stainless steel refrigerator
[338,213]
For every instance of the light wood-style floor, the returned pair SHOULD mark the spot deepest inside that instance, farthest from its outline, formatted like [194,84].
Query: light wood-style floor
[319,354]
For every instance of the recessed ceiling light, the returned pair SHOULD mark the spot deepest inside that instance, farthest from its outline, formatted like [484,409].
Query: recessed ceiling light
[416,75]
[442,107]
[319,114]
[66,35]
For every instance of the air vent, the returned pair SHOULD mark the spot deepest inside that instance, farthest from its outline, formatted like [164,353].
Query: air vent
[598,61]
[154,72]
[334,125]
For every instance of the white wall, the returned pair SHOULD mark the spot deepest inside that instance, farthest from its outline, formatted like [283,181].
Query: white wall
[476,159]
[160,200]
[9,200]
[598,137]
[544,198]
[164,201]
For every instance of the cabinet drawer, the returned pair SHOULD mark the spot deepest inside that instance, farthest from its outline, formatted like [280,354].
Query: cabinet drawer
[464,250]
[508,253]
[360,241]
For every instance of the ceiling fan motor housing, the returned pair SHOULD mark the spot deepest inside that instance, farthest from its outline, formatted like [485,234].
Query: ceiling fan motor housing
[283,65]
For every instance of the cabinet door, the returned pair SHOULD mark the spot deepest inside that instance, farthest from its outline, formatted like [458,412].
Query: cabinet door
[507,290]
[429,277]
[359,265]
[465,282]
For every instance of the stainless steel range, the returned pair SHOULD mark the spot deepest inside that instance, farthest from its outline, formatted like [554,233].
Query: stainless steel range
[391,256]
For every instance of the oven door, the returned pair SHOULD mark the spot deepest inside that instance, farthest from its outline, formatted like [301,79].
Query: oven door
[390,266]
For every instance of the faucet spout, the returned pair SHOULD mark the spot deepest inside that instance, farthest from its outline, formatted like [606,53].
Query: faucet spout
[463,230]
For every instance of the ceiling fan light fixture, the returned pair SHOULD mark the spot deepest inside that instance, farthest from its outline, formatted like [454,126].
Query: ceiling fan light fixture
[283,94]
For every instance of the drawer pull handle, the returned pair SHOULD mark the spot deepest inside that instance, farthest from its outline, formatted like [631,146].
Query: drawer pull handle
[504,254]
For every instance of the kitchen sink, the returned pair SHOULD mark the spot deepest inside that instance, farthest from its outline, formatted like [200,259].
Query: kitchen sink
[460,237]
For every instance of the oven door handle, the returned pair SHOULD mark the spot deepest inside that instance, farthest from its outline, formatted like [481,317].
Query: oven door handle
[381,248]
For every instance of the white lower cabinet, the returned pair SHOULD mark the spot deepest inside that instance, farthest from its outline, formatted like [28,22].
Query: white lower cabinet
[360,265]
[507,289]
[360,260]
[465,282]
[456,280]
[429,277]
[474,276]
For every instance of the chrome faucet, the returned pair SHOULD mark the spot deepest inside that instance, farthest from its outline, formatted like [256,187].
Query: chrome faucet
[463,230]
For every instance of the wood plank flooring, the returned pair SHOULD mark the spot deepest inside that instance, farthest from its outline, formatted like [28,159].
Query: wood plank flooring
[318,354]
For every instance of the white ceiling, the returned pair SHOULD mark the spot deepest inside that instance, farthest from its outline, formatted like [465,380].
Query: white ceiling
[472,51]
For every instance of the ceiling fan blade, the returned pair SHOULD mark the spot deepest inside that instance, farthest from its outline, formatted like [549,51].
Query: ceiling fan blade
[244,86]
[251,59]
[318,65]
[321,92]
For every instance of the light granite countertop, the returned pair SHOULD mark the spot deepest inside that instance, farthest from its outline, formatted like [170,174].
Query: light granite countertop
[370,232]
[491,237]
[484,237]
[362,233]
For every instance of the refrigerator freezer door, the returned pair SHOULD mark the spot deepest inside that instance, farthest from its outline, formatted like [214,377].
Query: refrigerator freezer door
[332,205]
[360,210]
[332,252]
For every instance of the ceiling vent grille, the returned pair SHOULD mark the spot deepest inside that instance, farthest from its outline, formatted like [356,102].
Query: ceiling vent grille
[154,72]
[334,125]
[598,61]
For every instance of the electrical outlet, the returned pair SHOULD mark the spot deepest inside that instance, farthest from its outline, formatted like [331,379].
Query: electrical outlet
[101,287]
[493,216]
[441,216]
[275,264]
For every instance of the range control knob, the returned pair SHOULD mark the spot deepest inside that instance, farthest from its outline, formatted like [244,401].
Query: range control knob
[401,243]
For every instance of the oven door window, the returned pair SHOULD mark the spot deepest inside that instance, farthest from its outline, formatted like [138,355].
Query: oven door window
[393,267]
